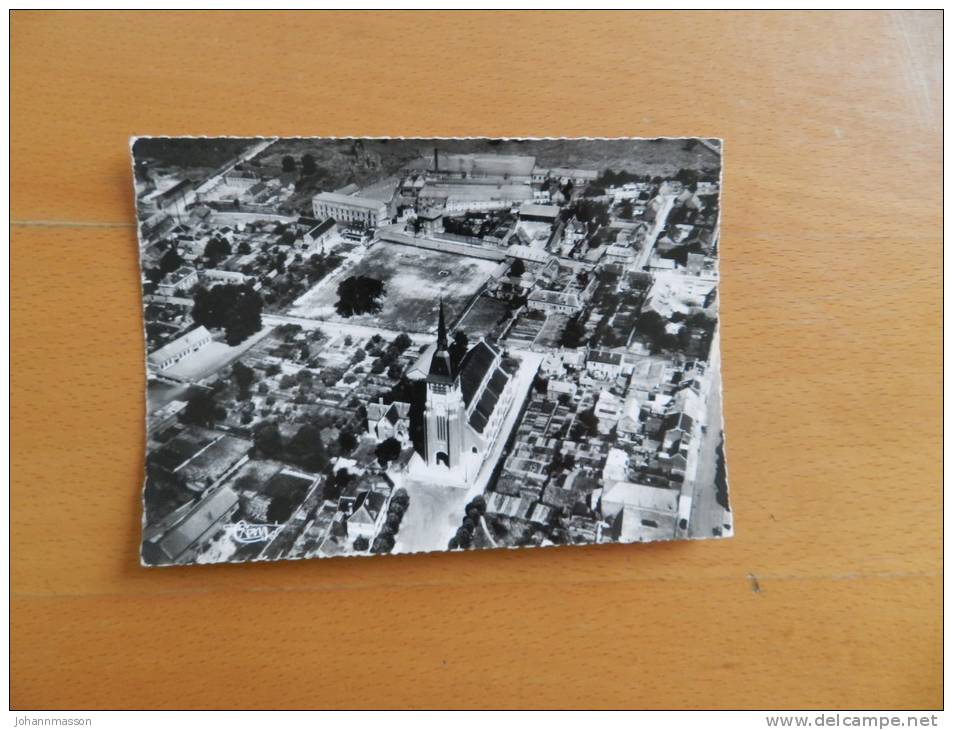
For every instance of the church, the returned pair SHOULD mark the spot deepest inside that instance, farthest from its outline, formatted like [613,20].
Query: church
[464,406]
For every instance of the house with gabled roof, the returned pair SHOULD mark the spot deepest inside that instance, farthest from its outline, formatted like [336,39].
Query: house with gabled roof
[389,420]
[369,513]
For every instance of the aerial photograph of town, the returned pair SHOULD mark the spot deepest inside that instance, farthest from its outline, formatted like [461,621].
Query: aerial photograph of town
[396,345]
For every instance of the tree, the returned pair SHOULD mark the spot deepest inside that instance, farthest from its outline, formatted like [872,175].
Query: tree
[461,343]
[518,268]
[384,542]
[588,419]
[626,211]
[244,248]
[464,537]
[280,509]
[359,295]
[244,318]
[170,260]
[267,440]
[688,178]
[201,409]
[387,451]
[402,341]
[308,166]
[288,164]
[361,544]
[306,449]
[401,497]
[478,503]
[217,248]
[574,333]
[347,441]
[243,376]
[333,484]
[651,325]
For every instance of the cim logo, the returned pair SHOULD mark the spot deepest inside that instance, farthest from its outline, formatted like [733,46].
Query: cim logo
[249,532]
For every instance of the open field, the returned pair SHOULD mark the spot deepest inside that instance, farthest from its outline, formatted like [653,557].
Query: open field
[415,281]
[484,317]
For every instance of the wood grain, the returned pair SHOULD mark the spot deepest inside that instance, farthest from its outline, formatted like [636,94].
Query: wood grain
[831,349]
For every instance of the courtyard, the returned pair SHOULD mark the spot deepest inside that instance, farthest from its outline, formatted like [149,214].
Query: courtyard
[415,281]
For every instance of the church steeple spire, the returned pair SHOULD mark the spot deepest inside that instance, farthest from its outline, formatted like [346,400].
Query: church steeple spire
[442,343]
[441,369]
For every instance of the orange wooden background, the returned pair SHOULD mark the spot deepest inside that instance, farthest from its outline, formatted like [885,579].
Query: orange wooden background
[831,249]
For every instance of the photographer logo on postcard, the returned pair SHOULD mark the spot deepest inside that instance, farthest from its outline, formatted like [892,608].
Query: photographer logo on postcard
[371,346]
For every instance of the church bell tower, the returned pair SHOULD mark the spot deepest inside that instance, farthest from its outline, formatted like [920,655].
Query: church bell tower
[445,413]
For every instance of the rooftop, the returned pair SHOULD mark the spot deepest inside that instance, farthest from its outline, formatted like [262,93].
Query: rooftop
[539,211]
[348,200]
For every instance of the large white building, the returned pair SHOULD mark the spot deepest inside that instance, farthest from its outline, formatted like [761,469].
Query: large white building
[169,354]
[350,209]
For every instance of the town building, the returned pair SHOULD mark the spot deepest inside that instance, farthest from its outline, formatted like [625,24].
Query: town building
[169,354]
[604,365]
[350,209]
[430,219]
[554,302]
[155,226]
[616,468]
[223,276]
[176,199]
[461,197]
[316,237]
[179,281]
[468,166]
[539,213]
[368,513]
[640,512]
[243,179]
[389,420]
[608,409]
[565,174]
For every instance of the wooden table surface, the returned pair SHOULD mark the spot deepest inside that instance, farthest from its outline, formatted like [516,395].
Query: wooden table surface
[829,595]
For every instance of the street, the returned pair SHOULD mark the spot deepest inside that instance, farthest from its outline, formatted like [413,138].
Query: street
[646,251]
[707,514]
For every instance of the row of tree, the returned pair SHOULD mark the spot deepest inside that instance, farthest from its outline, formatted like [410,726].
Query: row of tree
[385,540]
[473,512]
[305,449]
[308,165]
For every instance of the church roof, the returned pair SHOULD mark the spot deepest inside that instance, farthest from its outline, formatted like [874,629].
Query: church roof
[421,367]
[479,368]
[474,368]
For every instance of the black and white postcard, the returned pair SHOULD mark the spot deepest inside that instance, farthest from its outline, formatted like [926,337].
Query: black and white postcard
[394,345]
